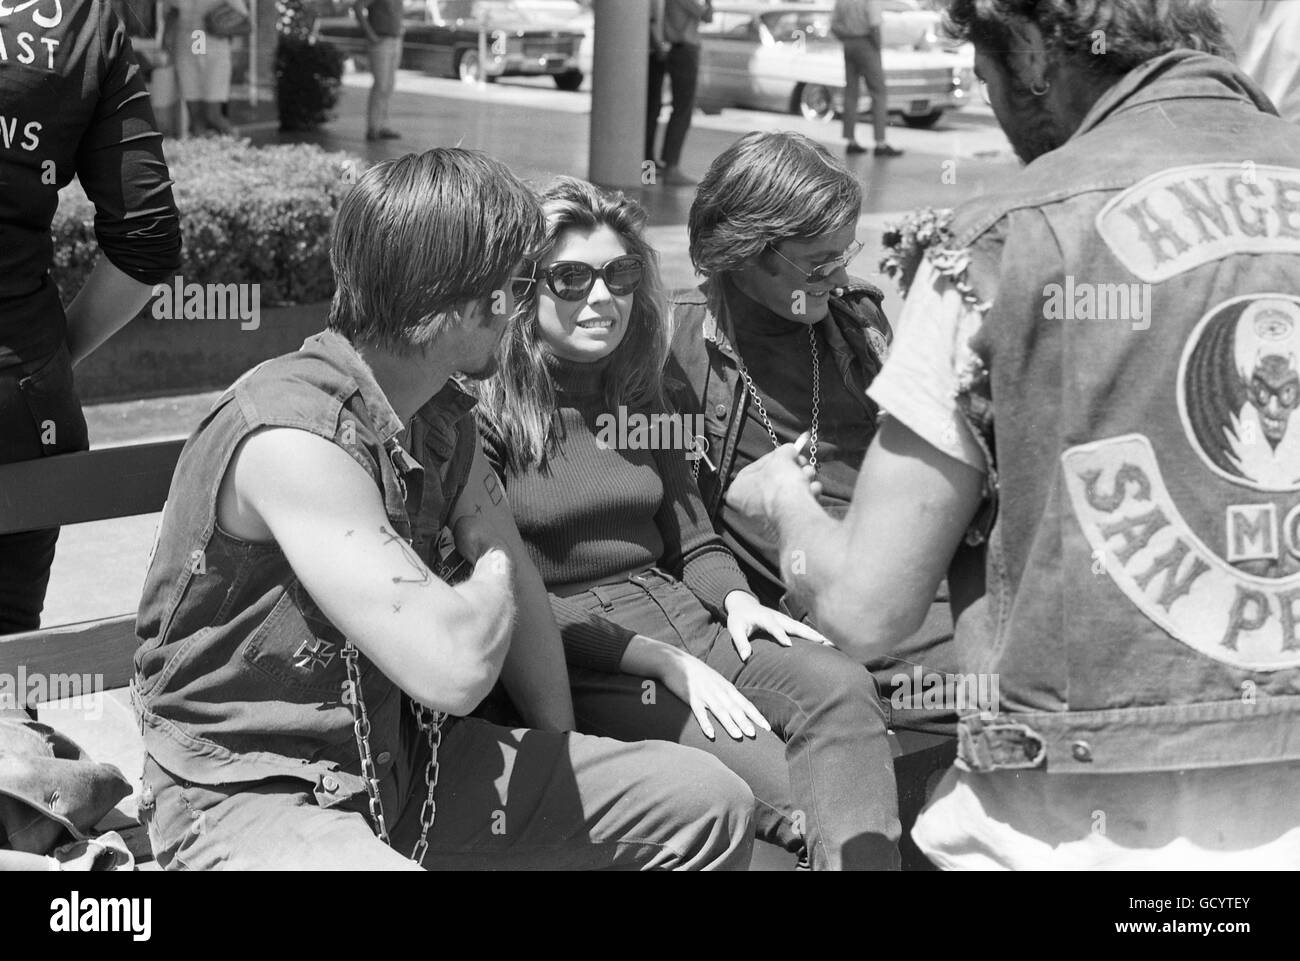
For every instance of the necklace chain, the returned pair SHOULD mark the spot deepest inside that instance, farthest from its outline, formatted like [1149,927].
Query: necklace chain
[762,410]
[816,399]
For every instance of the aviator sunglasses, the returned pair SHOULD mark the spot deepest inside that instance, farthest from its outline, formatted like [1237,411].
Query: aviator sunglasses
[822,271]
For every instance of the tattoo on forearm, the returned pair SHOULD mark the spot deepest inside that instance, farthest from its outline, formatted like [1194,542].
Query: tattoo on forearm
[423,575]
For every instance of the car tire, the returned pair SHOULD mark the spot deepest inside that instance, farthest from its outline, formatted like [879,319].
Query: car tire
[925,121]
[571,80]
[468,67]
[813,101]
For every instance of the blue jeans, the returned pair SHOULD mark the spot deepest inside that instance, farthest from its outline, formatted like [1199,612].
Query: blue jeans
[507,799]
[823,778]
[40,416]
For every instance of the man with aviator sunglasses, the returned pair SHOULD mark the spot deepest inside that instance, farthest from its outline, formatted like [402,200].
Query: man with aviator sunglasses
[779,341]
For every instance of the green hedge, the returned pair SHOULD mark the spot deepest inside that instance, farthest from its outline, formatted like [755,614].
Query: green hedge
[248,215]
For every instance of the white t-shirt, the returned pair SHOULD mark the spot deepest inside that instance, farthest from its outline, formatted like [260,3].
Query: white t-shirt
[1214,818]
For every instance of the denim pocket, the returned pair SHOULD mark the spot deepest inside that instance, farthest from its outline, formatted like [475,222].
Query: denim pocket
[301,653]
[51,399]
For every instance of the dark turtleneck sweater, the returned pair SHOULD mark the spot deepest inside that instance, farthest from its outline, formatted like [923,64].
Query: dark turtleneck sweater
[778,356]
[595,512]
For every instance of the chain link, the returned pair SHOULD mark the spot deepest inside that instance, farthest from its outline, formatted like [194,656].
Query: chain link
[431,723]
[428,721]
[361,728]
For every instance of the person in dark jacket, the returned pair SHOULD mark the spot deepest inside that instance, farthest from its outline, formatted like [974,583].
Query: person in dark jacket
[779,340]
[72,103]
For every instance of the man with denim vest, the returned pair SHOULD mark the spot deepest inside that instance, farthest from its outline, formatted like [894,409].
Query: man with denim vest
[1106,350]
[302,676]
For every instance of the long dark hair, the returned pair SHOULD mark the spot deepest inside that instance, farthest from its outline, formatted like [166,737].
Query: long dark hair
[517,404]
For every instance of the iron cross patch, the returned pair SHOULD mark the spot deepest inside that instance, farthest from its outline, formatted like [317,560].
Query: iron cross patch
[313,653]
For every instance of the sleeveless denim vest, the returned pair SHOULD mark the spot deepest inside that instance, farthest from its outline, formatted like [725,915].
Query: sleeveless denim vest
[1140,348]
[239,675]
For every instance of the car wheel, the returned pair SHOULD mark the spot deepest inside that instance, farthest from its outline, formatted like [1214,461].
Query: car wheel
[925,121]
[571,80]
[468,67]
[813,101]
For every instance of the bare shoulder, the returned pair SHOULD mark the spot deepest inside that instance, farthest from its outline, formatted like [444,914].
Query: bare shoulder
[282,470]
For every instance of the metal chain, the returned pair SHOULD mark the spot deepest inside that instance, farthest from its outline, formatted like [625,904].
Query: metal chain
[361,727]
[429,721]
[816,400]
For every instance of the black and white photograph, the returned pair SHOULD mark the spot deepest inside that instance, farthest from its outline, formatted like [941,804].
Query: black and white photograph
[651,435]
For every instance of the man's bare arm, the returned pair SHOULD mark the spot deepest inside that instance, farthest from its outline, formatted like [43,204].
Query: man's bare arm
[442,645]
[535,673]
[870,578]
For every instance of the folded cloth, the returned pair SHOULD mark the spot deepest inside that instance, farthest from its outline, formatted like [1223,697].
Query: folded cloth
[49,788]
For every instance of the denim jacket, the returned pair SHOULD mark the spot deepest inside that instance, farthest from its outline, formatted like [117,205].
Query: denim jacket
[239,675]
[1134,389]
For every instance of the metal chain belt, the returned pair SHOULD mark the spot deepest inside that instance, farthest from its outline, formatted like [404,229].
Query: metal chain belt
[429,721]
[762,411]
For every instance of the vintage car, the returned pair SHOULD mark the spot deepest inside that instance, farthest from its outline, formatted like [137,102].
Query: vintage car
[476,39]
[783,57]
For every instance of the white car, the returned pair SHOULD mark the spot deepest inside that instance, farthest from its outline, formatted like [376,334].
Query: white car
[783,57]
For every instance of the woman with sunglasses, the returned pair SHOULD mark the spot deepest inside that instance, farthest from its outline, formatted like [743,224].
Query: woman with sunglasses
[664,638]
[778,342]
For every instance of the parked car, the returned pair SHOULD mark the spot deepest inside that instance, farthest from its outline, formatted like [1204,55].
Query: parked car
[907,23]
[448,38]
[783,57]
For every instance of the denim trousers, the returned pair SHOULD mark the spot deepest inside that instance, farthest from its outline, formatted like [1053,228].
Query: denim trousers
[506,799]
[40,416]
[823,778]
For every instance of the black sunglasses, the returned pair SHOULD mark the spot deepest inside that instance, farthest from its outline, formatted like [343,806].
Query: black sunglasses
[572,280]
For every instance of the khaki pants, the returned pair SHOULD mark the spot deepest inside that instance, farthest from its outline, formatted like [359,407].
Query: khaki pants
[862,64]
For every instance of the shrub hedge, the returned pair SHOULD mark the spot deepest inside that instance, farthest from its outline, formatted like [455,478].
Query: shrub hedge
[248,215]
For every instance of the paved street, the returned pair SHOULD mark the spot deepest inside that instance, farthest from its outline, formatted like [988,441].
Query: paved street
[540,132]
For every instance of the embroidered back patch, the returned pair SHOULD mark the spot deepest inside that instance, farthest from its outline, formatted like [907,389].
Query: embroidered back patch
[1183,217]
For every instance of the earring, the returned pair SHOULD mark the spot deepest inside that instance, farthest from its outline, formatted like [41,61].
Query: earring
[1039,87]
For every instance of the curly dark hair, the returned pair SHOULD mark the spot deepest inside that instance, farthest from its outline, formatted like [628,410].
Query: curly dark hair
[1131,31]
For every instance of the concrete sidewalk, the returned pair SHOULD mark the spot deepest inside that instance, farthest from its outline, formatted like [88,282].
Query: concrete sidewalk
[540,132]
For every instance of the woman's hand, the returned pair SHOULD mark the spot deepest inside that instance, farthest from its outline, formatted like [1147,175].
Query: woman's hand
[696,684]
[746,615]
[708,692]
